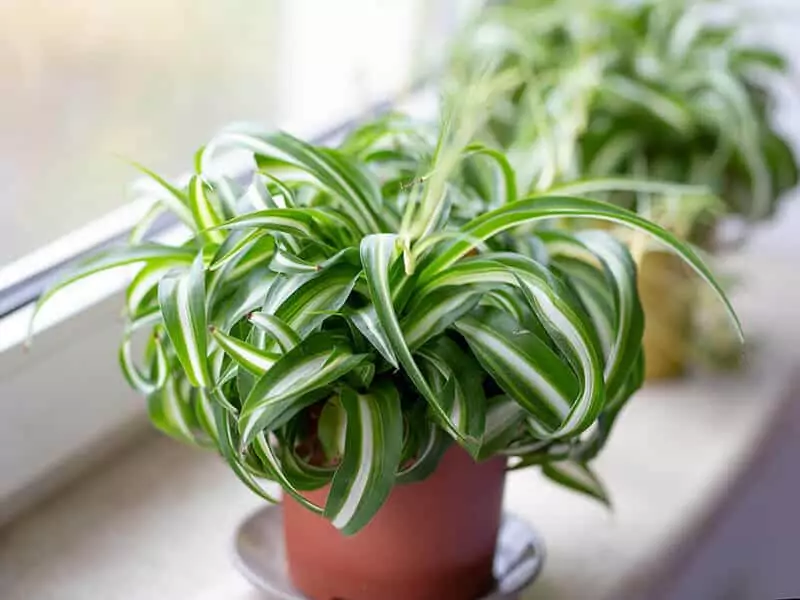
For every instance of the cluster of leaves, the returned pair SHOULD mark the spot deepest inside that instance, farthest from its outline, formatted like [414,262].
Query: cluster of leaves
[653,89]
[347,313]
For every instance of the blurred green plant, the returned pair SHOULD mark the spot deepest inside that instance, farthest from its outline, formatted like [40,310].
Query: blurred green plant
[648,89]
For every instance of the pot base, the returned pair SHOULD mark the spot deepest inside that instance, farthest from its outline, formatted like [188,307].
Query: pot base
[261,556]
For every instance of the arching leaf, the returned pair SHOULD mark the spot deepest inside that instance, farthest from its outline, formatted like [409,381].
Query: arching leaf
[373,446]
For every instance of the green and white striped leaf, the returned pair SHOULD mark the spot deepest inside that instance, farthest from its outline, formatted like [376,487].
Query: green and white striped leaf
[285,262]
[248,356]
[629,324]
[361,195]
[332,430]
[205,214]
[578,477]
[228,444]
[111,259]
[257,195]
[292,221]
[373,446]
[230,195]
[216,394]
[170,196]
[377,254]
[170,410]
[285,336]
[147,319]
[508,188]
[248,295]
[317,298]
[183,305]
[282,287]
[366,320]
[290,264]
[564,326]
[271,459]
[282,196]
[524,366]
[146,281]
[254,258]
[504,418]
[206,420]
[624,184]
[543,208]
[570,333]
[430,442]
[285,389]
[437,311]
[458,379]
[157,372]
[234,246]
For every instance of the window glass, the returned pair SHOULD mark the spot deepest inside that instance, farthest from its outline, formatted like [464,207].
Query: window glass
[86,84]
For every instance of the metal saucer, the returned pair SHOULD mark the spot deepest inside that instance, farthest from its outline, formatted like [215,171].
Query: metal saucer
[261,556]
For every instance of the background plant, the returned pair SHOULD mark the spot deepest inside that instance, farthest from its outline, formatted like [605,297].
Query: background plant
[350,312]
[650,89]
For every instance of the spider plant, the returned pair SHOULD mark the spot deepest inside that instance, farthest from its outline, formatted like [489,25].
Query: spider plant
[347,313]
[649,90]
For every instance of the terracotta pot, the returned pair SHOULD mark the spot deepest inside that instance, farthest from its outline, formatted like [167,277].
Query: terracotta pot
[667,293]
[432,540]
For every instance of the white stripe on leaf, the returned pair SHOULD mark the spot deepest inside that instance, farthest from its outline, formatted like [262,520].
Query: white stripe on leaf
[377,255]
[144,383]
[578,477]
[251,358]
[373,447]
[270,457]
[540,208]
[182,302]
[366,320]
[358,484]
[281,390]
[205,215]
[285,336]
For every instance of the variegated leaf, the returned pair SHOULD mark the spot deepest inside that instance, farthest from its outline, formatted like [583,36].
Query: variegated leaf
[289,385]
[578,477]
[271,460]
[183,306]
[547,207]
[228,447]
[205,214]
[253,359]
[373,446]
[377,254]
[111,259]
[285,336]
[155,377]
